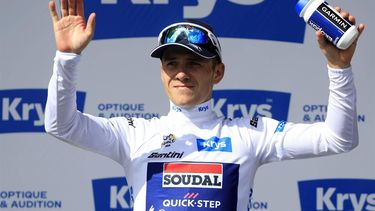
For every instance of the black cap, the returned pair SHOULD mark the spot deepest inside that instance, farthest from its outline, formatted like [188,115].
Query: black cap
[209,50]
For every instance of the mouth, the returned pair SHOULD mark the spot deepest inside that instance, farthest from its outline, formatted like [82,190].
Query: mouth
[183,86]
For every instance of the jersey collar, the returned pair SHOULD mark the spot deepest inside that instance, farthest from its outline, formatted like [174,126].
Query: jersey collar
[199,113]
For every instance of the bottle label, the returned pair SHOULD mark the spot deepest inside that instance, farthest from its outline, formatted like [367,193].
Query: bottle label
[329,22]
[334,17]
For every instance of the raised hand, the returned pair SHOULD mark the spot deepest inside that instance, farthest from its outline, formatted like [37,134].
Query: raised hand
[72,34]
[337,58]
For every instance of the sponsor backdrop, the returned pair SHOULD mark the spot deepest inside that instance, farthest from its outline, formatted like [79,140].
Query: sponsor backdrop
[273,68]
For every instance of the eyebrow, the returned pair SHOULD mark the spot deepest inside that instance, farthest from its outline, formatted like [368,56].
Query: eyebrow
[165,58]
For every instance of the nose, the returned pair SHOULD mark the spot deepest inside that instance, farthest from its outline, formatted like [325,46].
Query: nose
[183,75]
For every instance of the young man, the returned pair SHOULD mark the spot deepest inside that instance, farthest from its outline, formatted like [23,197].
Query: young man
[192,159]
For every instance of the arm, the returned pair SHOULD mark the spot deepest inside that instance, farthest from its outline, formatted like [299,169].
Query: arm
[62,119]
[341,121]
[274,141]
[339,133]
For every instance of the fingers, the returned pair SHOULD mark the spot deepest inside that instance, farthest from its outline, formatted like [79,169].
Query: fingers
[322,41]
[64,7]
[52,9]
[352,19]
[346,15]
[68,7]
[338,9]
[361,28]
[90,28]
[80,8]
[72,7]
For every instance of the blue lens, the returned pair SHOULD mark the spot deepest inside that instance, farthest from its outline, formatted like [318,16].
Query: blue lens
[187,33]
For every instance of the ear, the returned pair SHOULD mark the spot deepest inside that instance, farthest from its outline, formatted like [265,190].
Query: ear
[218,73]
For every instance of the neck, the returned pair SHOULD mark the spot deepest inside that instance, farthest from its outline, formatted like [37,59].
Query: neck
[198,113]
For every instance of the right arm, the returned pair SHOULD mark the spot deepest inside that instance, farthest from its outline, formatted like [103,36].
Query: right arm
[62,119]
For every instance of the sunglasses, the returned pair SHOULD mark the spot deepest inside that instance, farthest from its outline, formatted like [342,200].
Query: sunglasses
[192,33]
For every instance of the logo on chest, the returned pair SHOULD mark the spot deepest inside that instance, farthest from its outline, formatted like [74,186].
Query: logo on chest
[197,175]
[173,154]
[215,144]
[168,140]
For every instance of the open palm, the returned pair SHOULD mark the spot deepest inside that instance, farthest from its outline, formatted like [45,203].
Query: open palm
[72,34]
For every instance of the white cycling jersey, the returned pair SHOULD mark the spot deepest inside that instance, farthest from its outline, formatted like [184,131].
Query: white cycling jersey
[192,159]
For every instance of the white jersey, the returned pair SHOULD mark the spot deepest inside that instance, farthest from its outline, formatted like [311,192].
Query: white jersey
[192,159]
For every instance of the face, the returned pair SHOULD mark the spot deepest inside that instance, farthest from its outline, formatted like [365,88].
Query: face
[188,79]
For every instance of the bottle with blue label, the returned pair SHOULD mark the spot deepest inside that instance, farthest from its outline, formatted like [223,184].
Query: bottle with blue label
[322,17]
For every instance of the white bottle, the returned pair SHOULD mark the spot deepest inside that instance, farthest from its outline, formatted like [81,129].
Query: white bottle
[322,17]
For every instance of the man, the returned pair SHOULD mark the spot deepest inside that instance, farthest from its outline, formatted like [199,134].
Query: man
[192,159]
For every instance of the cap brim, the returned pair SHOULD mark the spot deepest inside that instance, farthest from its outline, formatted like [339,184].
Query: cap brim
[158,51]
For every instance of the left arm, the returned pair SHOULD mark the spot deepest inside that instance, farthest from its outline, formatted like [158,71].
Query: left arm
[275,141]
[339,132]
[341,118]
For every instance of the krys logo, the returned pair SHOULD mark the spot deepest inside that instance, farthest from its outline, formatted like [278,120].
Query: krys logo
[215,144]
[251,103]
[254,19]
[22,110]
[112,194]
[337,194]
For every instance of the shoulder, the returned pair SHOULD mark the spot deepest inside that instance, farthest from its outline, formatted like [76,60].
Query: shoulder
[252,123]
[136,123]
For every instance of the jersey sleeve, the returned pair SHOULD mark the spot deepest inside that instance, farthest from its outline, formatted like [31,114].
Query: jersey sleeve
[64,121]
[278,140]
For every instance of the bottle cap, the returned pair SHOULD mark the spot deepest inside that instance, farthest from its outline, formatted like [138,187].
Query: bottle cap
[301,5]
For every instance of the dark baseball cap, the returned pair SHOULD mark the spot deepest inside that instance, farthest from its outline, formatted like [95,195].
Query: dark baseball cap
[193,35]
